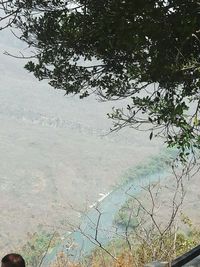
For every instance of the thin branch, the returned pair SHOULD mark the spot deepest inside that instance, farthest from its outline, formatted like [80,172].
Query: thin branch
[48,246]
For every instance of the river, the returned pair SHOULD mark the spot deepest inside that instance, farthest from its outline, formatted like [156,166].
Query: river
[97,225]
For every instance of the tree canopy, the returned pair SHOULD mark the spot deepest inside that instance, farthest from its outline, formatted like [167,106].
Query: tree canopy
[147,51]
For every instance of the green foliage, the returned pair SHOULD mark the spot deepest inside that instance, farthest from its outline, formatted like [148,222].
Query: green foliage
[191,236]
[37,245]
[156,164]
[118,49]
[123,217]
[142,250]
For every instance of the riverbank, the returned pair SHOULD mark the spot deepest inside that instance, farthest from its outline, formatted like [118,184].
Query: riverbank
[101,217]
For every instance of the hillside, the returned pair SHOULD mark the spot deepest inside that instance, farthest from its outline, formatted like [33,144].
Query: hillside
[55,152]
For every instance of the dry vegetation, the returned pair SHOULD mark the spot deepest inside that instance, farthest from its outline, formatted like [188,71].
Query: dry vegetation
[142,253]
[158,235]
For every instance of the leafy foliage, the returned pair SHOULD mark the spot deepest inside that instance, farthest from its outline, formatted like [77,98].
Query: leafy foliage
[37,245]
[145,50]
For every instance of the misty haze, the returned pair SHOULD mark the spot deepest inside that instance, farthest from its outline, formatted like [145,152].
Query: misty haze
[56,154]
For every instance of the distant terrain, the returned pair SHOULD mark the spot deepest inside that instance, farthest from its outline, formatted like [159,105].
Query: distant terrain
[56,153]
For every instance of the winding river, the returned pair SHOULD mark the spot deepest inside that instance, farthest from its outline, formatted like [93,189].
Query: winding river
[101,215]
